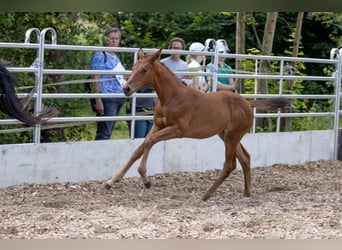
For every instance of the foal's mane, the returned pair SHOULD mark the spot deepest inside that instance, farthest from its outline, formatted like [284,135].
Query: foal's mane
[154,61]
[171,72]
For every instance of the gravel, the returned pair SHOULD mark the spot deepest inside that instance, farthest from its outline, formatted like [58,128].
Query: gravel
[287,202]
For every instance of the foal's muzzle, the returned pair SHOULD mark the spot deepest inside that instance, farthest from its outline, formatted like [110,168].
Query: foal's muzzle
[127,91]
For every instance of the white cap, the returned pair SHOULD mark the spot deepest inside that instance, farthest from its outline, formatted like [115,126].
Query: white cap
[197,47]
[221,47]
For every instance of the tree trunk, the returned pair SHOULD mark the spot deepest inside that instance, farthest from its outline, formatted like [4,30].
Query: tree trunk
[295,49]
[266,49]
[240,48]
[291,68]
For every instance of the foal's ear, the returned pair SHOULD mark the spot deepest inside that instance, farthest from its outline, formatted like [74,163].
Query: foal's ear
[157,54]
[141,53]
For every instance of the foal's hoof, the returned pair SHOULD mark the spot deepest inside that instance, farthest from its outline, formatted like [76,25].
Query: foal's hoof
[247,194]
[106,186]
[147,184]
[205,198]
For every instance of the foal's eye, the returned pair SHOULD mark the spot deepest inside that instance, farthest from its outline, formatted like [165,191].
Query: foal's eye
[144,69]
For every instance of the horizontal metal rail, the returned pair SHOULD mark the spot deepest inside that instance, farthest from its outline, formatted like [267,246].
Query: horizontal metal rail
[149,95]
[150,117]
[280,76]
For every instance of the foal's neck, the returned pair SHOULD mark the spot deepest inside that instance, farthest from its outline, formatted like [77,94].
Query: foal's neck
[166,84]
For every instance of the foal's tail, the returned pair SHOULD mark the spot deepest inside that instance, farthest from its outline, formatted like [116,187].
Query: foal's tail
[10,105]
[272,104]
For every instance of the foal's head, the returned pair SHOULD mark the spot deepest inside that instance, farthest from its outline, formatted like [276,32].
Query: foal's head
[142,73]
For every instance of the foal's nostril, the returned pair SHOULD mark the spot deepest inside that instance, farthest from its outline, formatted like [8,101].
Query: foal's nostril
[126,90]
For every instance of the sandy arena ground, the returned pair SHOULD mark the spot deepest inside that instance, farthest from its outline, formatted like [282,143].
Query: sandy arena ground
[288,201]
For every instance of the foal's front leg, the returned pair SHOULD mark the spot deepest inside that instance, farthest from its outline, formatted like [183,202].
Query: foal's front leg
[118,176]
[151,139]
[134,157]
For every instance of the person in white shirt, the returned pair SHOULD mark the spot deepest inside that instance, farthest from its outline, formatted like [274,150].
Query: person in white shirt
[194,64]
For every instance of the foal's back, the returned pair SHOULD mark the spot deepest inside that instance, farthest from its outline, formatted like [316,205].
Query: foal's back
[233,109]
[211,113]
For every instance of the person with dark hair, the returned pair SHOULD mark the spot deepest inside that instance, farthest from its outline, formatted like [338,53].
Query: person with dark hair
[107,83]
[174,61]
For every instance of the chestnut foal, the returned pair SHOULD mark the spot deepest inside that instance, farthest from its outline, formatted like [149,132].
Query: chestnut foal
[185,112]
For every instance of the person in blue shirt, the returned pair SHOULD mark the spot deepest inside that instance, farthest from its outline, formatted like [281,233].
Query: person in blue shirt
[107,60]
[223,83]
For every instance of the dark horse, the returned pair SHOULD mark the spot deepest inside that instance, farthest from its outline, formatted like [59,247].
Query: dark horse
[10,105]
[185,112]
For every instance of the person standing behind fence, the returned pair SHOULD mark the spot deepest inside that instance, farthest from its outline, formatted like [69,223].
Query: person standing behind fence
[194,64]
[144,107]
[107,83]
[174,61]
[223,83]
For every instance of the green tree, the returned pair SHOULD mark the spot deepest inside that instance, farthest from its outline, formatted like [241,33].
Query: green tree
[13,26]
[320,33]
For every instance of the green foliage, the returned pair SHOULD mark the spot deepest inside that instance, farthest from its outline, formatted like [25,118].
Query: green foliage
[314,123]
[321,31]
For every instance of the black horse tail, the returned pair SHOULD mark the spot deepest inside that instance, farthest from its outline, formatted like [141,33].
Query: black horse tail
[10,105]
[272,104]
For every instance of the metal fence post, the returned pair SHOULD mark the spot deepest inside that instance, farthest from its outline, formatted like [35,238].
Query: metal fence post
[40,73]
[338,54]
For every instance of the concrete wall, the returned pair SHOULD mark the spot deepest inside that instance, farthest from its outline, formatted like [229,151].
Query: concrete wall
[99,160]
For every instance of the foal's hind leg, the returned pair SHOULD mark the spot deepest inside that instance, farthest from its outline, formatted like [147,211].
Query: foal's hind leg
[229,164]
[245,161]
